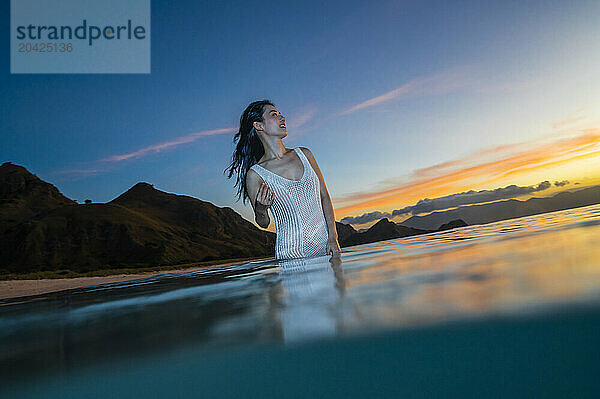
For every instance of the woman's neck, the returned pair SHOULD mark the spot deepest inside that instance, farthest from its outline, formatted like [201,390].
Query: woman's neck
[274,149]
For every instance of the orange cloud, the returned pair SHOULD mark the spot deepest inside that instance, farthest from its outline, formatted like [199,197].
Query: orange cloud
[572,119]
[517,159]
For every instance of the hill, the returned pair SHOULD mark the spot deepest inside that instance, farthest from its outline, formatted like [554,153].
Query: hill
[508,209]
[23,195]
[387,230]
[41,229]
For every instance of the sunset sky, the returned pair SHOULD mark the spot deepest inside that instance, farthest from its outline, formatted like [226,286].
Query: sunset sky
[399,101]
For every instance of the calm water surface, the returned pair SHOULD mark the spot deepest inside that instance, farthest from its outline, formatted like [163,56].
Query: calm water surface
[511,307]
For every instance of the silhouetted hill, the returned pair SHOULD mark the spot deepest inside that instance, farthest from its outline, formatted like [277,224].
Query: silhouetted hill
[509,209]
[23,195]
[382,230]
[344,231]
[453,225]
[142,227]
[386,230]
[187,212]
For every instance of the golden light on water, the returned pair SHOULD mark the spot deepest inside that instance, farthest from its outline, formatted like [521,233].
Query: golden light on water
[503,267]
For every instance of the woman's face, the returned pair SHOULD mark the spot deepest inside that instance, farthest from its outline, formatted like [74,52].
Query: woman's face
[273,122]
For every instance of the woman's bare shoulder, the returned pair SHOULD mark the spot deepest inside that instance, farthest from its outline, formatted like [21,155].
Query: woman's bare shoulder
[308,154]
[252,176]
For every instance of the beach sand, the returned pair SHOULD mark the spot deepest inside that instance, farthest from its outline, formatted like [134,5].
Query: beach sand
[21,288]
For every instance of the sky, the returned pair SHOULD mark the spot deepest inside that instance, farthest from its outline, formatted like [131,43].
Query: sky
[406,105]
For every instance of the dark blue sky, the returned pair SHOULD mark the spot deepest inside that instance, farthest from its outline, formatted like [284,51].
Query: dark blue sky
[444,80]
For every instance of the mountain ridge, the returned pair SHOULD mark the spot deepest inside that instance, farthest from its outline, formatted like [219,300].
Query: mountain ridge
[142,227]
[43,230]
[507,209]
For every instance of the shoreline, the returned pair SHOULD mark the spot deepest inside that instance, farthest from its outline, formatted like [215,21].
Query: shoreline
[22,288]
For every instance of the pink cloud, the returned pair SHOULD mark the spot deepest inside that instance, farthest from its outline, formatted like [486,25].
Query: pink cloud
[428,85]
[167,145]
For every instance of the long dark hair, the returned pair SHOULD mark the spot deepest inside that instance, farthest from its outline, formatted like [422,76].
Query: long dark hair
[249,149]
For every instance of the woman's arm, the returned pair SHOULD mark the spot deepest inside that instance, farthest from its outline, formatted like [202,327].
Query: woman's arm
[261,198]
[333,246]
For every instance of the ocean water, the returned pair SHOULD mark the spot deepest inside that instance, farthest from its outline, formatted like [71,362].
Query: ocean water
[510,308]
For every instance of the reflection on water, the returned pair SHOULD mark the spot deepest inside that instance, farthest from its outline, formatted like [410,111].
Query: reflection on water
[313,291]
[537,264]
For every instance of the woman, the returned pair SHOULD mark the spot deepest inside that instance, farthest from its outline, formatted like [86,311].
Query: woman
[286,180]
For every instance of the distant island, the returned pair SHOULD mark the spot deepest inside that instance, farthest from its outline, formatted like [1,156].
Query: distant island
[384,229]
[508,209]
[42,231]
[465,215]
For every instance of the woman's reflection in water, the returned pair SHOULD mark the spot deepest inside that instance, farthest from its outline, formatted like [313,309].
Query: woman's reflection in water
[311,302]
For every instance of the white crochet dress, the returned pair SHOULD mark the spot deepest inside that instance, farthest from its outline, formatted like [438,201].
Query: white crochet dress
[299,221]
